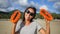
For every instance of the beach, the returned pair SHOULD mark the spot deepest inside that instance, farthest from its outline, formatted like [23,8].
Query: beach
[6,26]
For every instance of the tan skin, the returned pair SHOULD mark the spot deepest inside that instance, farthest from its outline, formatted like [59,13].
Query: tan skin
[27,23]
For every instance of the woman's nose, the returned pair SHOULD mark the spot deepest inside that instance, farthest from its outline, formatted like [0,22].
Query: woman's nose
[29,14]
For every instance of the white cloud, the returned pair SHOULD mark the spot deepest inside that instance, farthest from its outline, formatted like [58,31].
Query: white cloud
[53,0]
[4,10]
[36,5]
[57,5]
[23,2]
[11,8]
[4,4]
[44,7]
[32,3]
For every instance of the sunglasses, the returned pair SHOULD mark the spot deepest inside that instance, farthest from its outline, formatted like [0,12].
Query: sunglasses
[27,11]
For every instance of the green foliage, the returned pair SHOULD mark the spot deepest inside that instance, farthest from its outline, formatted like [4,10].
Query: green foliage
[7,15]
[56,16]
[38,16]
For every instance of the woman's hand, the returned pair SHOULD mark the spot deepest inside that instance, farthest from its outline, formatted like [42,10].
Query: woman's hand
[13,27]
[47,26]
[47,31]
[47,21]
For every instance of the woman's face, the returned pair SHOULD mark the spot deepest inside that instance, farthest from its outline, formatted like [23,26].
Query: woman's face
[29,14]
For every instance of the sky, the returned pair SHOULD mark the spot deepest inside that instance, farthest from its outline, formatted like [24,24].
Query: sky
[53,6]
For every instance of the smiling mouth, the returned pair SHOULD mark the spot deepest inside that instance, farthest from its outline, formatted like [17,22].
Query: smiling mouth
[28,19]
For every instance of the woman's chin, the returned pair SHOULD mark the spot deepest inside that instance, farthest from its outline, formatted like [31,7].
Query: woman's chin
[28,19]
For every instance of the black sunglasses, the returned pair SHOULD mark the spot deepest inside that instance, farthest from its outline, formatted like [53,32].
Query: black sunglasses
[27,11]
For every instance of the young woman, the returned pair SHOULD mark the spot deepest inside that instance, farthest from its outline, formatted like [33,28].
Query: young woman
[28,26]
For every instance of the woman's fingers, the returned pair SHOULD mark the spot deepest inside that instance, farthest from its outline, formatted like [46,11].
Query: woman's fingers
[47,21]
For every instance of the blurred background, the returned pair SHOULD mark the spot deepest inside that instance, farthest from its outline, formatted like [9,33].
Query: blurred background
[7,8]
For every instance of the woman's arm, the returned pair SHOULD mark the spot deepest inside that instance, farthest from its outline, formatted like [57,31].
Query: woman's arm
[47,31]
[13,28]
[47,27]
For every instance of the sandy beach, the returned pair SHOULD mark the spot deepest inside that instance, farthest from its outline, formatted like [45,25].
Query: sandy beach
[6,26]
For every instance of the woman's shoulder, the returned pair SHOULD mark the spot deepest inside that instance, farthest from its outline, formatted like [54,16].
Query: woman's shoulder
[36,22]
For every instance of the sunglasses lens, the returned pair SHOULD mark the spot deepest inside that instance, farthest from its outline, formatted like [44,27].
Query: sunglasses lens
[32,14]
[27,12]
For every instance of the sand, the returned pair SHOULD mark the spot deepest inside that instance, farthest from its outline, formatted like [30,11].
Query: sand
[6,26]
